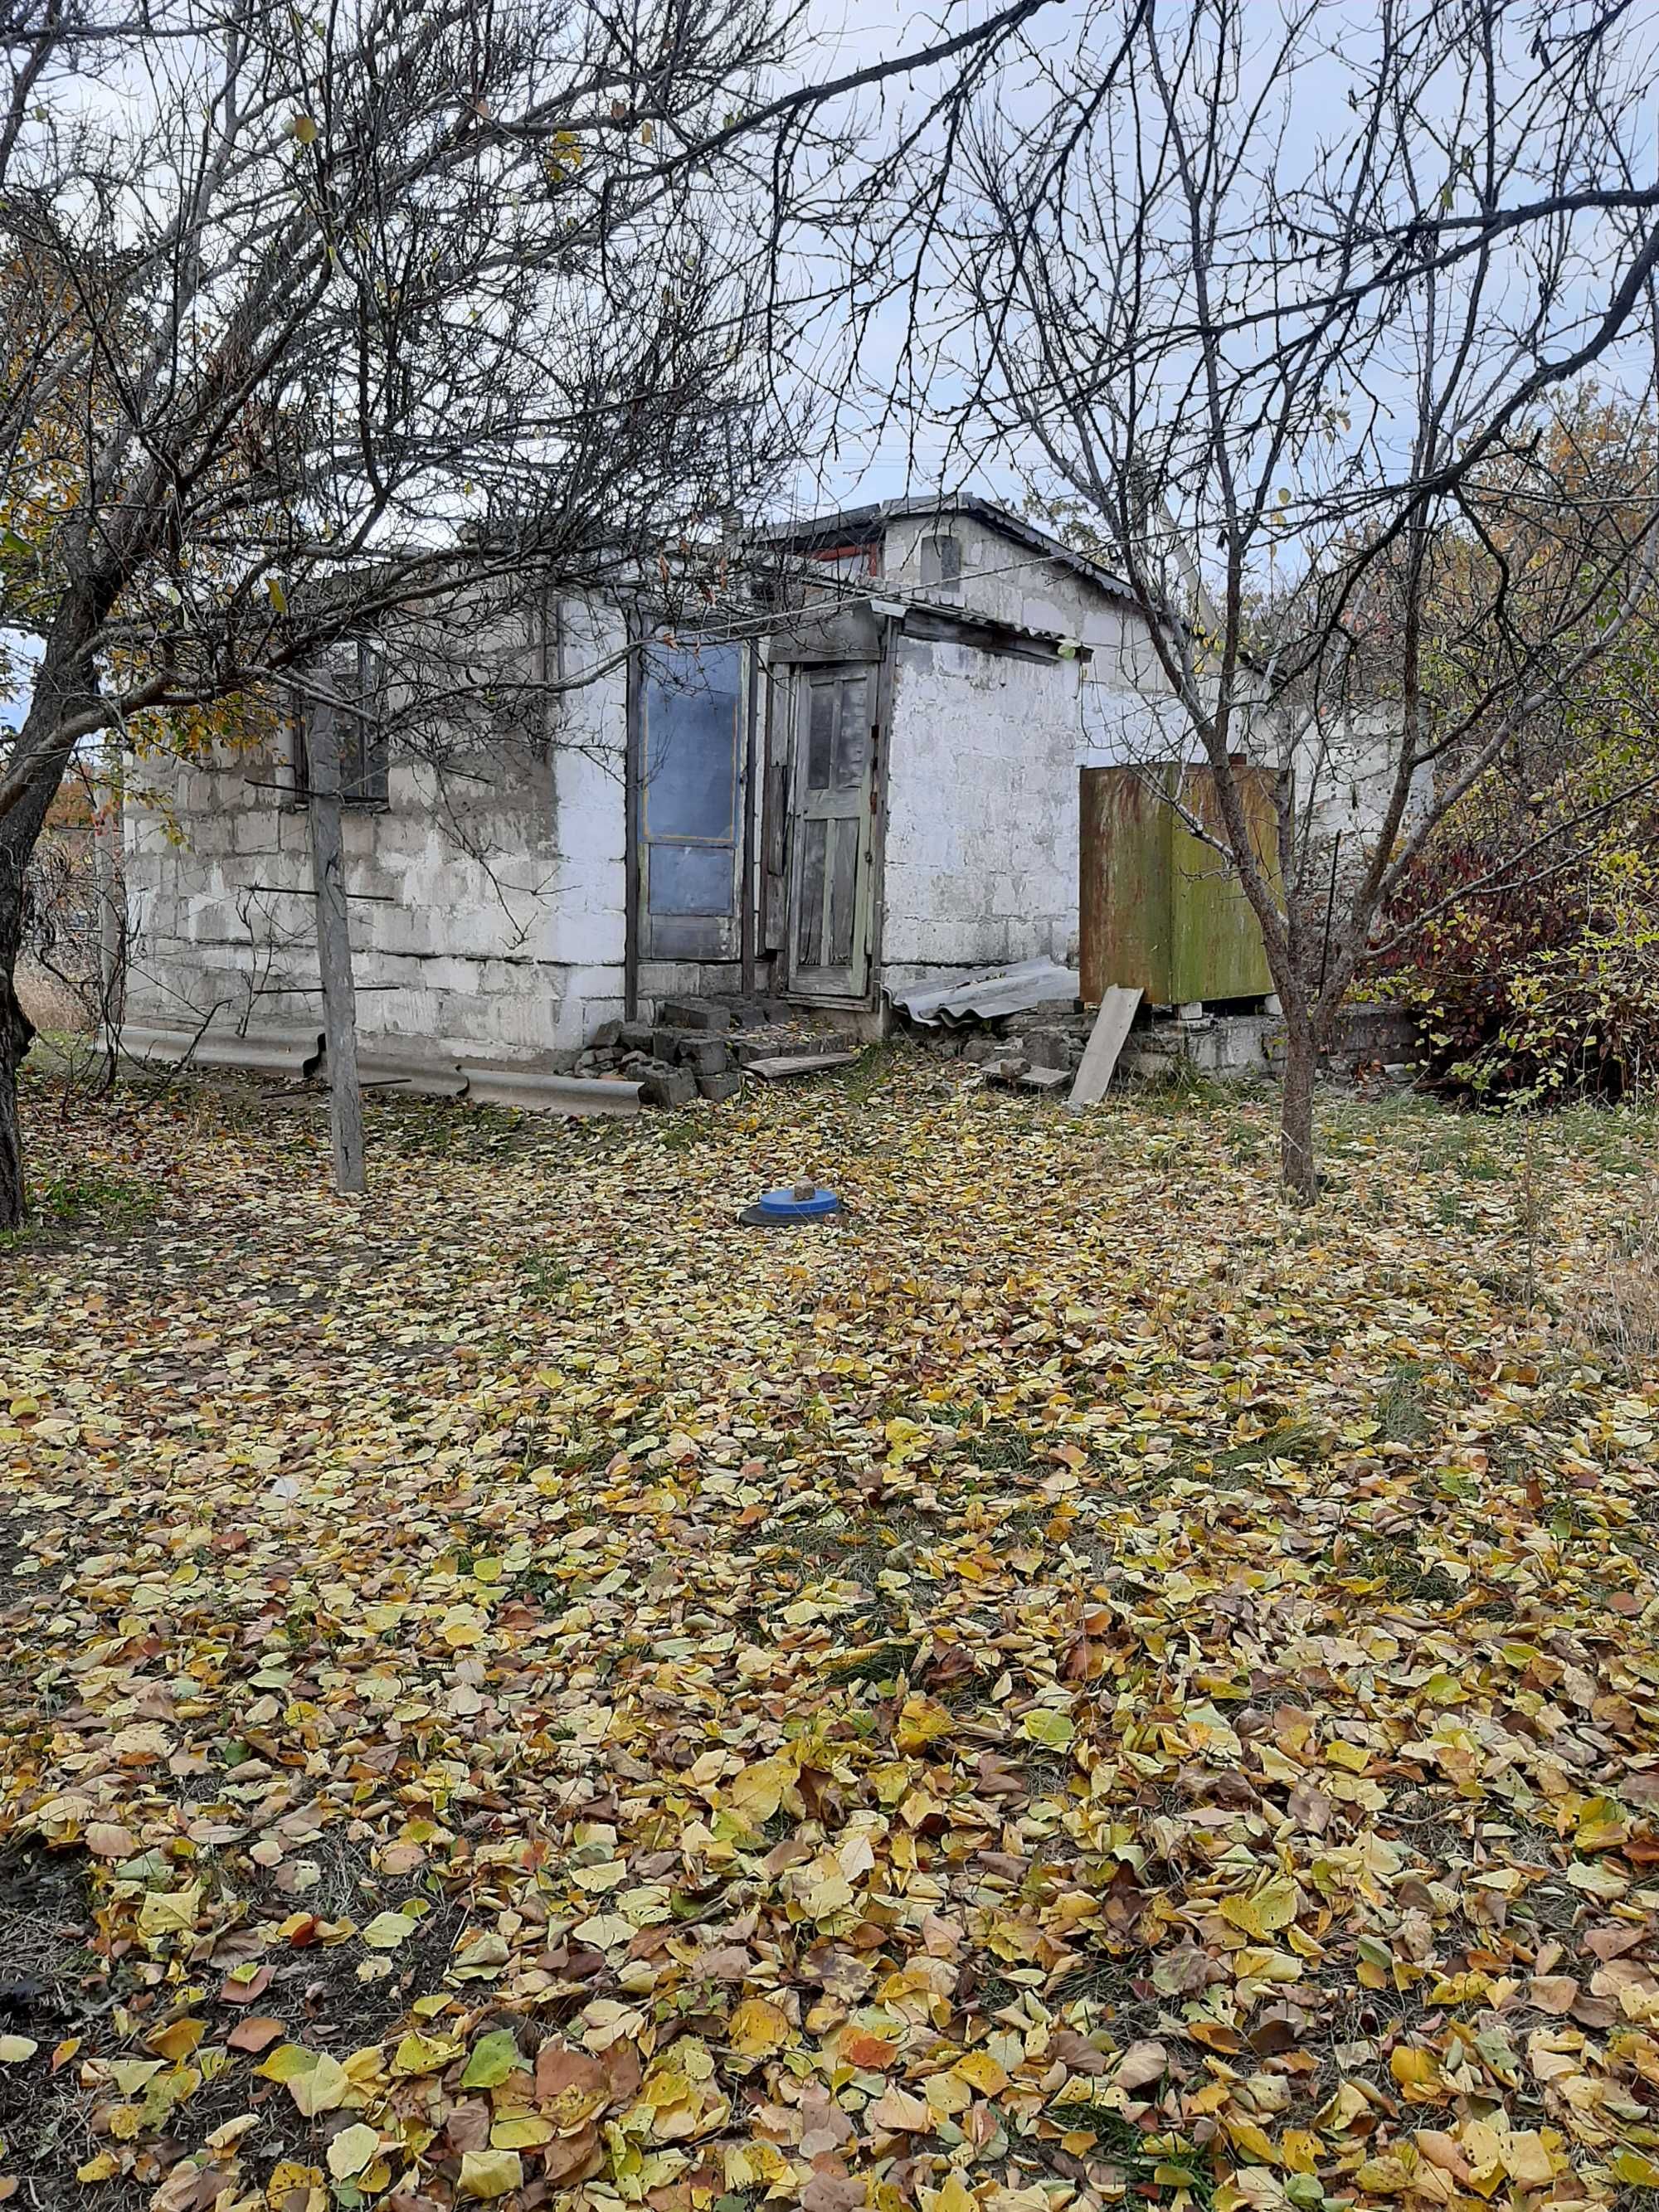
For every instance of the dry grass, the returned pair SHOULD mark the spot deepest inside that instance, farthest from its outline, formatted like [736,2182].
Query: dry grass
[1622,1313]
[50,1003]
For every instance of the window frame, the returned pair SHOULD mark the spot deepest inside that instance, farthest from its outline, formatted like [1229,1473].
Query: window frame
[364,745]
[933,548]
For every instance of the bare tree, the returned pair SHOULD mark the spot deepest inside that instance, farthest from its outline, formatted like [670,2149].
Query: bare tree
[1273,303]
[320,320]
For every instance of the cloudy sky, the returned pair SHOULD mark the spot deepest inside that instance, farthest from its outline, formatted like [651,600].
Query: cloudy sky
[866,449]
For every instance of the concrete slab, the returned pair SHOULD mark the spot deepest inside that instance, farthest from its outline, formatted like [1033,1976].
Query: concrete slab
[1106,1042]
[548,1094]
[431,1079]
[261,1052]
[800,1063]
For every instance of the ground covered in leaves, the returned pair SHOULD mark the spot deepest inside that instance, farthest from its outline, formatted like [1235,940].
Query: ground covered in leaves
[1075,1684]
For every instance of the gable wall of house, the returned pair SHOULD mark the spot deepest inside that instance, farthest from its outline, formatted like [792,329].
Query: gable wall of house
[1000,577]
[1123,679]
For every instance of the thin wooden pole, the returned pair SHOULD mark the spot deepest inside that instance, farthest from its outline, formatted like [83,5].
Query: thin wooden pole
[750,805]
[111,883]
[633,785]
[345,1098]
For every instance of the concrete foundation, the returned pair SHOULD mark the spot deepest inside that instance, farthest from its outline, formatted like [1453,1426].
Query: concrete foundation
[1236,1046]
[1241,1047]
[1227,1044]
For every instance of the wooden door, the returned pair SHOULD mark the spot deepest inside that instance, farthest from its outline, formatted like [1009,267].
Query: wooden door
[832,863]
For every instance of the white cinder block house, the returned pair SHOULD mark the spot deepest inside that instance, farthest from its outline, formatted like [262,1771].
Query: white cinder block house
[879,788]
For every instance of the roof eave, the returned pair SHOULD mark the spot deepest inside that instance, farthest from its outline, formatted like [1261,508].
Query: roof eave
[853,526]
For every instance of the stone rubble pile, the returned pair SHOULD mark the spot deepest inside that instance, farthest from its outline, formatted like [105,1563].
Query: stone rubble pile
[695,1047]
[1040,1050]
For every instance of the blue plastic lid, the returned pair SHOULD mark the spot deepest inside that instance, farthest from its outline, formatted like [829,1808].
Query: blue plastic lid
[784,1206]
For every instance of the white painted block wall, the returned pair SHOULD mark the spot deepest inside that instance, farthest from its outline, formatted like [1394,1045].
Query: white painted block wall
[981,851]
[488,919]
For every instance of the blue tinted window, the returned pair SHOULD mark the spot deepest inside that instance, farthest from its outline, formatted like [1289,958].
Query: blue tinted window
[692,697]
[690,878]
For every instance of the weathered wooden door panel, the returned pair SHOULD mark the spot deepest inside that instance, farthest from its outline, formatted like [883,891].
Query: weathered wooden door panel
[831,872]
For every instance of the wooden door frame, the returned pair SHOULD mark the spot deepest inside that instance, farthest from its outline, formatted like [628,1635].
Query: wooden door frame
[860,657]
[886,677]
[640,635]
[748,894]
[632,773]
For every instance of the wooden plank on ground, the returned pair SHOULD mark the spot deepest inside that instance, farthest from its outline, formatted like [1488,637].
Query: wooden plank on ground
[1106,1042]
[800,1063]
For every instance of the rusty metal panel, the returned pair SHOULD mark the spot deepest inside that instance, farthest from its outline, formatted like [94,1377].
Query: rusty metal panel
[1158,910]
[1218,949]
[1124,905]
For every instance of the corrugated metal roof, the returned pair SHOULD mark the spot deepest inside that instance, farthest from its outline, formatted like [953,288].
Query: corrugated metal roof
[988,994]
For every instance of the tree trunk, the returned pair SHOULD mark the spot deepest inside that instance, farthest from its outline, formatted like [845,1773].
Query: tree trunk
[16,1032]
[1296,1112]
[63,683]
